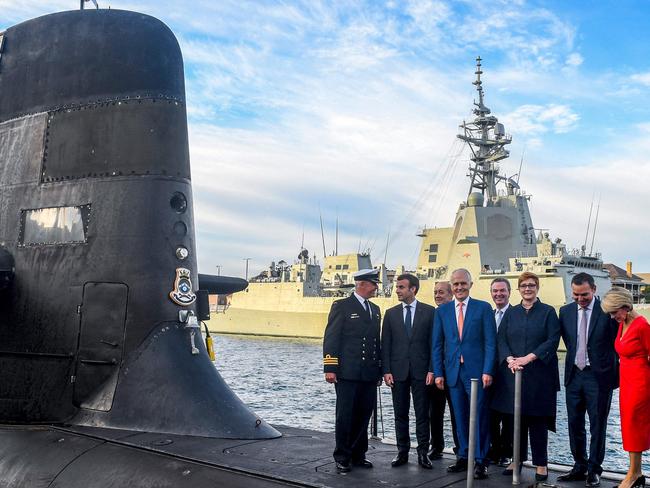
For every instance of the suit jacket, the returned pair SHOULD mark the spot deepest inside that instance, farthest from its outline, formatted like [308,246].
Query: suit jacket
[477,346]
[405,356]
[601,336]
[351,345]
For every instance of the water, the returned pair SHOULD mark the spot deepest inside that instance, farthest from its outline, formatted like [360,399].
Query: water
[282,381]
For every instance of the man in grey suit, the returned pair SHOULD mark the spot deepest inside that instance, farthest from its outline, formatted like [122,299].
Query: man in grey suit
[590,376]
[406,362]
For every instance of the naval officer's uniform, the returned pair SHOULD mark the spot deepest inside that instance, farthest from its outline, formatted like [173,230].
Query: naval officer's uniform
[351,349]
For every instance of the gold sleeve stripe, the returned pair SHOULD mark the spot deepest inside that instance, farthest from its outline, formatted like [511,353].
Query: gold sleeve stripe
[330,361]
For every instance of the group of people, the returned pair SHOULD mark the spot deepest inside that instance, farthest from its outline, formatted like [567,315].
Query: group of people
[432,354]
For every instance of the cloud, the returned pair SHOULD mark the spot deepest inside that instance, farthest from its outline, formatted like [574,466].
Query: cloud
[353,107]
[641,78]
[538,119]
[574,59]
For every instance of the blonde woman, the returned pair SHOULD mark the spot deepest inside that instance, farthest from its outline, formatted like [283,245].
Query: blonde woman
[633,347]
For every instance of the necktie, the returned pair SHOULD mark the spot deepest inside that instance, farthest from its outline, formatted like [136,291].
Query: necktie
[408,320]
[461,319]
[367,305]
[499,317]
[581,353]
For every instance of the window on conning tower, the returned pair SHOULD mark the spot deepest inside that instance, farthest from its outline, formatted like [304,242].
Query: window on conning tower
[54,225]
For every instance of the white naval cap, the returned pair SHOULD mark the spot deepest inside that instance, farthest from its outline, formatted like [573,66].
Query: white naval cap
[371,275]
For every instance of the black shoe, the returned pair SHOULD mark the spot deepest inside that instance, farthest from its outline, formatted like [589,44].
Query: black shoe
[593,479]
[504,462]
[362,463]
[573,475]
[435,454]
[401,458]
[459,467]
[638,483]
[423,460]
[342,467]
[480,471]
[541,477]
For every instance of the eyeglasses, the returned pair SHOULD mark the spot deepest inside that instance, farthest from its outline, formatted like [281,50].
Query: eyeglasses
[528,285]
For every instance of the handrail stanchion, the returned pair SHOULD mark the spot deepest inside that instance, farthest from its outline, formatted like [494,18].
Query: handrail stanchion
[373,427]
[471,455]
[516,440]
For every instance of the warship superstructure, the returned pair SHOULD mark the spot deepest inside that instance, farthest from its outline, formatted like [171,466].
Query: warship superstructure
[492,236]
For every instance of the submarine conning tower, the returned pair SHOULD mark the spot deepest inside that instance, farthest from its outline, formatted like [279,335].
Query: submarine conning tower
[97,322]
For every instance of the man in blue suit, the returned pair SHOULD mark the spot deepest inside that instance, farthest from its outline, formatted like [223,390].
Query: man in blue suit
[464,347]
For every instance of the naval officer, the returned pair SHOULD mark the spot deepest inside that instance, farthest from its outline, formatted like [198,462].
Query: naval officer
[351,357]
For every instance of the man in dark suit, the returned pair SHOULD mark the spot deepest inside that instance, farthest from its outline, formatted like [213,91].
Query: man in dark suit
[501,430]
[352,358]
[406,361]
[464,347]
[590,376]
[438,399]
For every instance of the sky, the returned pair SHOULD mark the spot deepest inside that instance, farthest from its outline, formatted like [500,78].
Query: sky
[349,110]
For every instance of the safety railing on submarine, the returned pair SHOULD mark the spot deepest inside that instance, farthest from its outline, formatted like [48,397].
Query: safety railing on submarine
[516,441]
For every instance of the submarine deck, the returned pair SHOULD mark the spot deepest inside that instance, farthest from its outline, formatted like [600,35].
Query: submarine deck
[299,458]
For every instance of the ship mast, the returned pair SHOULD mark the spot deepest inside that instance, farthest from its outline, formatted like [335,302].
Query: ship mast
[486,139]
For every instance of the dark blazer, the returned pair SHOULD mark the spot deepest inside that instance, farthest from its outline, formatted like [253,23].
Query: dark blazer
[478,345]
[520,333]
[600,343]
[401,354]
[351,345]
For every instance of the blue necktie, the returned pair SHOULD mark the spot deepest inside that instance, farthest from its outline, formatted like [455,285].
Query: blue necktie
[408,321]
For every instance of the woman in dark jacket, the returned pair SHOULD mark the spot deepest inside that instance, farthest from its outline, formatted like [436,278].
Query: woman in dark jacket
[528,339]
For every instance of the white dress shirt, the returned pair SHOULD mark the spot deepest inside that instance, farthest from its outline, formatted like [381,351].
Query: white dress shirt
[413,305]
[498,317]
[363,301]
[582,312]
[465,303]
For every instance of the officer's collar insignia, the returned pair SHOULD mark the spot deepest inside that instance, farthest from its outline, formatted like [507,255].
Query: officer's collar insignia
[182,293]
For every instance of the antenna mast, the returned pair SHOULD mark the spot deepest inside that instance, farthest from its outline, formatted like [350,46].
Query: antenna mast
[593,235]
[386,251]
[487,139]
[591,208]
[521,163]
[336,240]
[322,233]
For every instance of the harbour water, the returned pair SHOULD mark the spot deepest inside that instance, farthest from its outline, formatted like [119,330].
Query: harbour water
[282,381]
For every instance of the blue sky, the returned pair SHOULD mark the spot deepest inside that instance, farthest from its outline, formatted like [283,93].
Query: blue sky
[352,107]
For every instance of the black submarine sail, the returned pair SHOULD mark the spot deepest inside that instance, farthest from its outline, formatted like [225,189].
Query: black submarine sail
[98,273]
